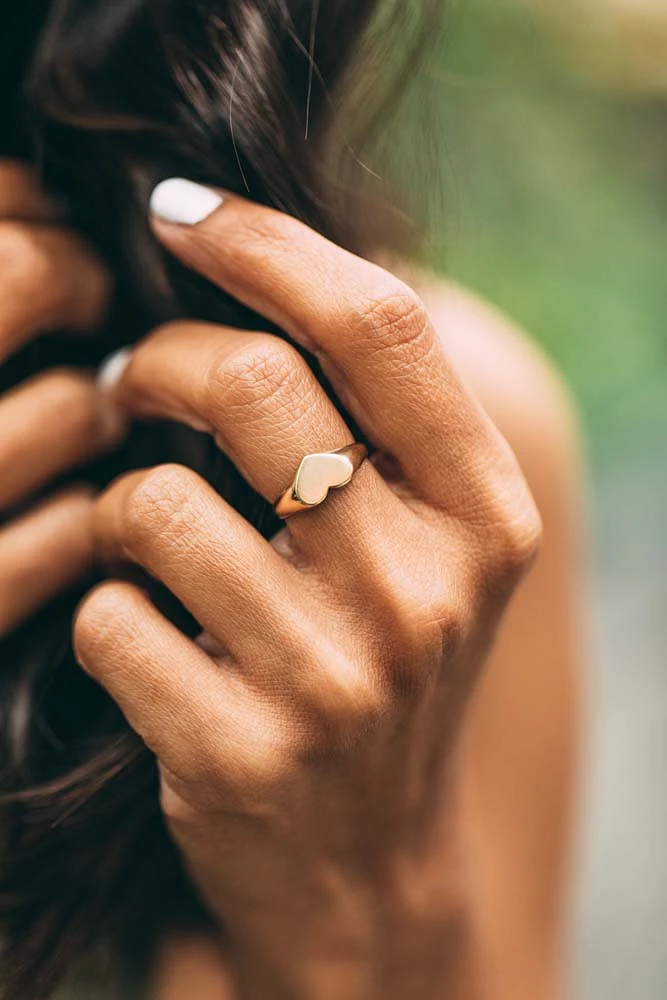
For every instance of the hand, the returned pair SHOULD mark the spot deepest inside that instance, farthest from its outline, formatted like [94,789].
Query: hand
[308,744]
[54,421]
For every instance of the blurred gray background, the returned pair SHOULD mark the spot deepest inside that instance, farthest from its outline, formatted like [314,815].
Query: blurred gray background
[553,126]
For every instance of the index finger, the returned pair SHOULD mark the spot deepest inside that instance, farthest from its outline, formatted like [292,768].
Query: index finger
[369,330]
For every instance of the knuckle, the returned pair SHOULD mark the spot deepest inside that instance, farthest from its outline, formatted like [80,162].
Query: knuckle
[352,707]
[263,373]
[422,627]
[392,316]
[517,533]
[157,502]
[105,618]
[421,615]
[523,539]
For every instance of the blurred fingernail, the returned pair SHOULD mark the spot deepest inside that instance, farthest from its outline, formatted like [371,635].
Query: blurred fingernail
[113,368]
[182,201]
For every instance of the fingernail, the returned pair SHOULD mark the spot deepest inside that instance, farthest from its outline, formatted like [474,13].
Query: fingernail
[112,369]
[113,423]
[184,202]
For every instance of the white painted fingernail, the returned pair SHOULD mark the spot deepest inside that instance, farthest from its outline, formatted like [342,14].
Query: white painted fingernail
[113,368]
[182,201]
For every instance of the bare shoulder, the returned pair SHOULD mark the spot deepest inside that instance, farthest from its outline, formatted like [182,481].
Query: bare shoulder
[518,386]
[523,734]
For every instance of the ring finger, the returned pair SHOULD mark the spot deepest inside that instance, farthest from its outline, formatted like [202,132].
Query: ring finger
[266,410]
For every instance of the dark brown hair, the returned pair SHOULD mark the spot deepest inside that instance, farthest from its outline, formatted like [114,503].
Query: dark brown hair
[108,97]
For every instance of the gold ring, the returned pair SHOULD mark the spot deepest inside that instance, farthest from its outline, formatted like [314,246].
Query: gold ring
[318,474]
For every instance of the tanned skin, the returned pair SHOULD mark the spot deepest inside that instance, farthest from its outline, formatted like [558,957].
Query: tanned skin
[371,776]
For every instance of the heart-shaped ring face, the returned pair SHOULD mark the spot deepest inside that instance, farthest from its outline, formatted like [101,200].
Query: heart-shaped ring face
[320,473]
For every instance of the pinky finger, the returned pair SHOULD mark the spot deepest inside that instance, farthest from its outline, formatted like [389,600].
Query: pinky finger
[43,553]
[169,690]
[207,729]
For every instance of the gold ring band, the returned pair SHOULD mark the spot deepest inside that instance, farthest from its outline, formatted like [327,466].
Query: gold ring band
[317,474]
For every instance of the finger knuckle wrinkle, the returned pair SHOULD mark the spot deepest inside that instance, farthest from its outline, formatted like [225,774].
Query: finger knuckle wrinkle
[261,373]
[158,502]
[394,317]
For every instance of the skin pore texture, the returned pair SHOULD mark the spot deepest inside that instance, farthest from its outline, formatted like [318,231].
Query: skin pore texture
[523,735]
[480,910]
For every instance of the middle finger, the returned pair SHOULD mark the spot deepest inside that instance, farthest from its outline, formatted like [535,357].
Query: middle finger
[370,332]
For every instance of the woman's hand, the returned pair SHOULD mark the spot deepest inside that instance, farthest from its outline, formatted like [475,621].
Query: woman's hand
[308,744]
[54,421]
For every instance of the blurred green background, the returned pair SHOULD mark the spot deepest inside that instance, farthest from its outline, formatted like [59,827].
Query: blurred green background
[556,191]
[552,126]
